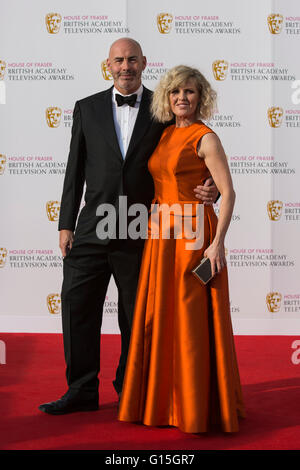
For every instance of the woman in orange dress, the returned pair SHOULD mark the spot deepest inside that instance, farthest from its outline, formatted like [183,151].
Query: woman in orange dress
[182,369]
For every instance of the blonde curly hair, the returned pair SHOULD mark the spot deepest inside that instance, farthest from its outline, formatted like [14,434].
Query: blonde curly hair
[175,77]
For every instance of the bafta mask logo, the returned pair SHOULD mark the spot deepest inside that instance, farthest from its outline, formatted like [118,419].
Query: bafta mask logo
[275,115]
[220,69]
[274,210]
[53,22]
[164,22]
[273,300]
[53,115]
[54,303]
[105,72]
[52,209]
[2,164]
[3,255]
[2,69]
[275,23]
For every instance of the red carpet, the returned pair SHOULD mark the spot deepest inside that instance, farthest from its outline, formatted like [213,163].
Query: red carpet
[34,373]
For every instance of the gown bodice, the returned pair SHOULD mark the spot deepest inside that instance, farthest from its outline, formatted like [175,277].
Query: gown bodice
[175,165]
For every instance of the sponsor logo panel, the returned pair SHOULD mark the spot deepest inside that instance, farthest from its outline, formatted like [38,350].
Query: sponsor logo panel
[191,24]
[246,71]
[32,258]
[110,307]
[31,165]
[54,303]
[52,210]
[287,211]
[2,69]
[278,24]
[258,258]
[41,71]
[279,302]
[245,165]
[58,23]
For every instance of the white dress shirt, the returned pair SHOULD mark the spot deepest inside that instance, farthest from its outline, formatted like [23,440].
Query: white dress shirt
[124,118]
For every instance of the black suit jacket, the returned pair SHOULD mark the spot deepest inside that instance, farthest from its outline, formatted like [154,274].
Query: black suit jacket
[95,159]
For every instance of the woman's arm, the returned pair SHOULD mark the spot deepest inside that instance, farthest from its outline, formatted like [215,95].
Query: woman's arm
[213,153]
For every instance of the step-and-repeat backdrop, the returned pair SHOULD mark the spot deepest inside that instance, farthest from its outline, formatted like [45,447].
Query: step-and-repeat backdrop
[53,53]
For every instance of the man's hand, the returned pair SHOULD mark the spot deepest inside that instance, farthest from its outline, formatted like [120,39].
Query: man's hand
[207,193]
[65,241]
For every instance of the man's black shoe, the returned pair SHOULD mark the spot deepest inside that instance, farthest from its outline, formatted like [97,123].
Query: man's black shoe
[70,403]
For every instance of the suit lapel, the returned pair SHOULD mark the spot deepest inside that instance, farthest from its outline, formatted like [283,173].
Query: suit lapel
[142,122]
[106,121]
[104,113]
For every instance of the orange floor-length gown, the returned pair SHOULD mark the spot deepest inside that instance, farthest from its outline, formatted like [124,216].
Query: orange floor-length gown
[181,369]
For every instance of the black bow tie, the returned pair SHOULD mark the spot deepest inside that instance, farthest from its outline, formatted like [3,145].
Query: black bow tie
[130,100]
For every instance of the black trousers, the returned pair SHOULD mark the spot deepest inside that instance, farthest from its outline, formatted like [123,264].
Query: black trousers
[87,273]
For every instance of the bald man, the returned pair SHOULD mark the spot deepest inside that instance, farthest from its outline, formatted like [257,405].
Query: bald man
[113,136]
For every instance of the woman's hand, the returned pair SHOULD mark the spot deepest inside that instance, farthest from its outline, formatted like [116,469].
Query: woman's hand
[215,159]
[216,254]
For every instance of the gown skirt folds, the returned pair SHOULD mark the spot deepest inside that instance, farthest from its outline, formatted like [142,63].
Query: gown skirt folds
[182,369]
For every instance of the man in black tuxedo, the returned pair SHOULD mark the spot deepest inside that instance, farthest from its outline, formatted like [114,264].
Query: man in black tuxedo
[113,136]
